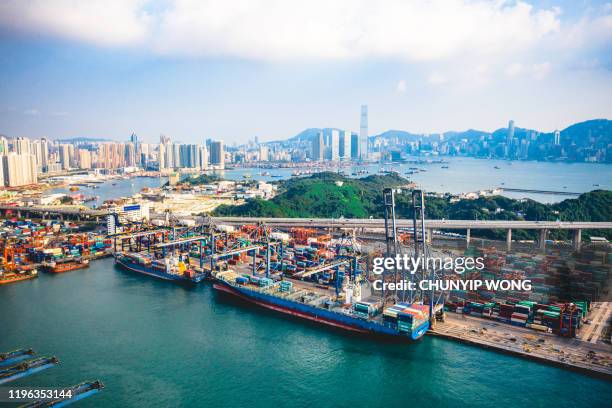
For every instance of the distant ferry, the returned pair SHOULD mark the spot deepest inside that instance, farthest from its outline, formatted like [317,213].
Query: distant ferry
[496,167]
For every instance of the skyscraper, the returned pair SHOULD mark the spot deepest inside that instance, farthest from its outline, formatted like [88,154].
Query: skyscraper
[510,135]
[354,146]
[345,145]
[19,169]
[64,156]
[217,154]
[318,147]
[363,134]
[334,144]
[557,138]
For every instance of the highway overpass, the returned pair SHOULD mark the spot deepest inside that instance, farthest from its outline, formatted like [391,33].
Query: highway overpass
[468,225]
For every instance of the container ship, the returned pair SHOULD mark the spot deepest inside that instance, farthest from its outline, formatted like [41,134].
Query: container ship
[65,265]
[404,320]
[170,268]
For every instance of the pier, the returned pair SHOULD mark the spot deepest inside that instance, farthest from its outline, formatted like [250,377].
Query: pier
[576,354]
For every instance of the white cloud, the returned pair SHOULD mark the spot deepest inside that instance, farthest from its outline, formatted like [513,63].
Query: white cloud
[292,29]
[538,70]
[401,86]
[103,22]
[541,70]
[437,78]
[514,69]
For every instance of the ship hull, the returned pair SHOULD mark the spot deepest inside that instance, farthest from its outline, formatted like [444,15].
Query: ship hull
[317,314]
[16,278]
[65,267]
[141,269]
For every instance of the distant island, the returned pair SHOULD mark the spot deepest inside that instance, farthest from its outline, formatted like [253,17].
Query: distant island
[330,195]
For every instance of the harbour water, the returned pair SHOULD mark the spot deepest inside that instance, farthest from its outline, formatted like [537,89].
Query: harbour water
[113,189]
[466,174]
[463,175]
[154,343]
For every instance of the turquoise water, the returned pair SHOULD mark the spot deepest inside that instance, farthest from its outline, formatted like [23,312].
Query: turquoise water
[154,343]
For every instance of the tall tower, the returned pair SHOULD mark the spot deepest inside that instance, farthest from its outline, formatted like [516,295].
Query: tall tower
[510,135]
[363,134]
[557,137]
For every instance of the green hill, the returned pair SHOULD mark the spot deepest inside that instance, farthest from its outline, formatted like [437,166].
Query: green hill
[329,195]
[323,195]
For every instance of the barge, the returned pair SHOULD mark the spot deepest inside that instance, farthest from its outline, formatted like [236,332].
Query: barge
[66,265]
[18,276]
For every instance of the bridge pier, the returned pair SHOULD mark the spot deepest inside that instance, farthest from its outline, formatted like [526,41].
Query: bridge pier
[542,240]
[467,238]
[577,239]
[508,239]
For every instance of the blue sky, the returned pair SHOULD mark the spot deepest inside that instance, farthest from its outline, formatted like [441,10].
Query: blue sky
[234,70]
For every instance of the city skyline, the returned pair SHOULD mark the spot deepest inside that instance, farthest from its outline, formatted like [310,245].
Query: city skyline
[199,70]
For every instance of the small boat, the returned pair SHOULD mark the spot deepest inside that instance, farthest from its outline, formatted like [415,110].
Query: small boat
[73,188]
[66,265]
[595,185]
[445,167]
[69,395]
[12,277]
[26,368]
[496,167]
[13,357]
[246,176]
[277,176]
[113,184]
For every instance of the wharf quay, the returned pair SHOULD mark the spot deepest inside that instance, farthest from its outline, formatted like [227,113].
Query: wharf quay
[575,354]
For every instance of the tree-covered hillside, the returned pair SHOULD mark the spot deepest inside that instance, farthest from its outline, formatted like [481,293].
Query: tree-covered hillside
[329,195]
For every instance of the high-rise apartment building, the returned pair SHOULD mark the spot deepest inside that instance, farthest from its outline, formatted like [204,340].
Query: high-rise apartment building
[19,169]
[334,145]
[64,156]
[345,145]
[217,154]
[318,147]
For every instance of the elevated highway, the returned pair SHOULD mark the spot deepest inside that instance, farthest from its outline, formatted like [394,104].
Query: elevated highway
[543,226]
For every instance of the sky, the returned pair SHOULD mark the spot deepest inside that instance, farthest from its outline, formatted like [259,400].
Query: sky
[239,69]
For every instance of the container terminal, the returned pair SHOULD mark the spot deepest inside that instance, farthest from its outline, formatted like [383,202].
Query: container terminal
[325,276]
